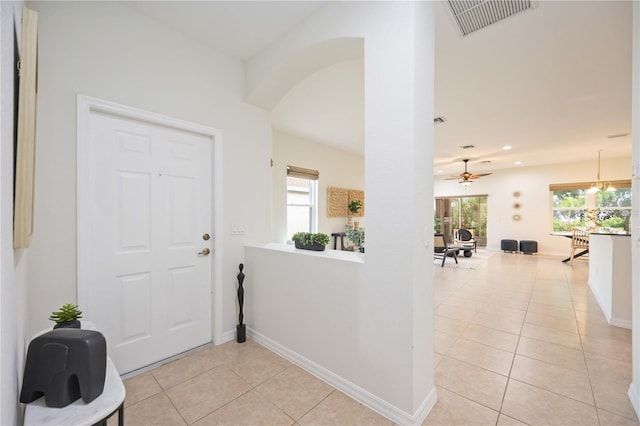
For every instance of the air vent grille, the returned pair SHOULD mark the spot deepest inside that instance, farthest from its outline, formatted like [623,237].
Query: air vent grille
[439,120]
[473,15]
[467,146]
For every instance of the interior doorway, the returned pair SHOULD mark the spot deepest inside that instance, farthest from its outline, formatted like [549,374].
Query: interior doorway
[462,212]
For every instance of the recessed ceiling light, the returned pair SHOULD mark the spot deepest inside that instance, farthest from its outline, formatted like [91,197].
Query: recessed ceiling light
[439,171]
[507,147]
[517,163]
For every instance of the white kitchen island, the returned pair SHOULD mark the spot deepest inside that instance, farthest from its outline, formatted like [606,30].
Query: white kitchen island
[610,276]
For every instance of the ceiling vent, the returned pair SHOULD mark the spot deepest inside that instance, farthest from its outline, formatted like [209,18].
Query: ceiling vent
[473,15]
[439,120]
[467,146]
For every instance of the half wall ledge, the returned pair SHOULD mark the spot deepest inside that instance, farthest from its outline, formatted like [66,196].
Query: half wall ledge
[346,256]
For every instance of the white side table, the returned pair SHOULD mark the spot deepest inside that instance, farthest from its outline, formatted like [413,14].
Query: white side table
[78,412]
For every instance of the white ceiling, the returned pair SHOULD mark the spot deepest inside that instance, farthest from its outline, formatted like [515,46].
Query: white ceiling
[552,82]
[237,28]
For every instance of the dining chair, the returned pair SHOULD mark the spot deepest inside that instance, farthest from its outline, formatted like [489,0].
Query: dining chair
[579,241]
[441,250]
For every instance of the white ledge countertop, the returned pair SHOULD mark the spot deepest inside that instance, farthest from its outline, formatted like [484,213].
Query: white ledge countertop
[346,256]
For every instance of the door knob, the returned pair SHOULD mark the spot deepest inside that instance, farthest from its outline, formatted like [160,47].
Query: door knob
[205,252]
[206,237]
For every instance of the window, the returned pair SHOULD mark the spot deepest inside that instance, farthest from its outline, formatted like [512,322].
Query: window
[302,200]
[462,212]
[573,206]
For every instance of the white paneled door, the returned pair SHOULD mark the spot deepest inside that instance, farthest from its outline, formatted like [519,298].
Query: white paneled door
[148,248]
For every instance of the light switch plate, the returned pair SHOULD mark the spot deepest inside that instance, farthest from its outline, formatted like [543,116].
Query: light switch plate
[238,229]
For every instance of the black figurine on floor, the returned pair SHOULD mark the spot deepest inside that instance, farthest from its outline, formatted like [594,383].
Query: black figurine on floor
[241,329]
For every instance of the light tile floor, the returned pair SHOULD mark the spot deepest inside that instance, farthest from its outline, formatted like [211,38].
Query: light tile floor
[522,340]
[519,340]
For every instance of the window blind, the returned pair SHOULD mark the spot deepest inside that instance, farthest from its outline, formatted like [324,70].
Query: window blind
[302,173]
[626,183]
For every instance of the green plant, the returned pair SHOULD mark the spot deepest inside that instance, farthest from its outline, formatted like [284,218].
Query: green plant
[437,222]
[308,238]
[355,206]
[355,235]
[67,312]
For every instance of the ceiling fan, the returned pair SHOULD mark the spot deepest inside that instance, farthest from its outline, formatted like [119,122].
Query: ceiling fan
[466,177]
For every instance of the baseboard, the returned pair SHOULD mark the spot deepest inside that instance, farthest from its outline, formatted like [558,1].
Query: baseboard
[361,395]
[618,322]
[425,408]
[227,336]
[634,398]
[621,323]
[603,306]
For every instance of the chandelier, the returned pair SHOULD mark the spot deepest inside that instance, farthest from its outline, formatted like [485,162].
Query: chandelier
[599,185]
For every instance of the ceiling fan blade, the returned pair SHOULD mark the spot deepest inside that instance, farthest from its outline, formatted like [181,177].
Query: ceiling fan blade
[466,175]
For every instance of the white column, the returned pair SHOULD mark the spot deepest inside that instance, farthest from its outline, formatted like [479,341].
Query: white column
[399,76]
[634,389]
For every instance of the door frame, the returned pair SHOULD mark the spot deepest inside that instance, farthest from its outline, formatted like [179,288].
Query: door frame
[87,105]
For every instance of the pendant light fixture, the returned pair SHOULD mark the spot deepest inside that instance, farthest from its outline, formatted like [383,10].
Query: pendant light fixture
[599,185]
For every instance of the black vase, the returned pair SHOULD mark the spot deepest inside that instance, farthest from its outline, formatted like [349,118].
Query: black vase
[68,324]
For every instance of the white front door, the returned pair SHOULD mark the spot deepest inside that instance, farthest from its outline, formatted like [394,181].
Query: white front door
[147,261]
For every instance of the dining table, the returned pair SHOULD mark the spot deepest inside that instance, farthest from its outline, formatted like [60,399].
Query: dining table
[570,235]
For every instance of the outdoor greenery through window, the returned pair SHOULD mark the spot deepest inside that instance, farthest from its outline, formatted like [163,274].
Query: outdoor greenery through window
[573,206]
[302,199]
[462,212]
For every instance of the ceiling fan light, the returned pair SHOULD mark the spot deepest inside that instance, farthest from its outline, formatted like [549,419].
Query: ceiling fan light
[610,188]
[593,189]
[465,183]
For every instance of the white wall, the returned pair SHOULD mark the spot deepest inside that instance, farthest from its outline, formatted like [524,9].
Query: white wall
[535,200]
[337,168]
[396,307]
[634,388]
[106,50]
[12,263]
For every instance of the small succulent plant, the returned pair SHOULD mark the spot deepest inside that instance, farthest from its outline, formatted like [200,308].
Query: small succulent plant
[67,312]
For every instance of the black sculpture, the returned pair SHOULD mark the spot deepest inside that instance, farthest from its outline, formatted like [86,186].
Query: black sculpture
[241,329]
[64,365]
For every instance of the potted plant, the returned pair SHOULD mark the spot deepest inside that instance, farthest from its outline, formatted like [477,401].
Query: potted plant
[356,235]
[354,207]
[67,316]
[310,241]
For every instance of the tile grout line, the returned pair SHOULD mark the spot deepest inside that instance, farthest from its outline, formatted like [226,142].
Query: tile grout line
[513,360]
[584,358]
